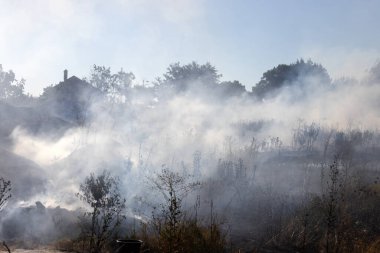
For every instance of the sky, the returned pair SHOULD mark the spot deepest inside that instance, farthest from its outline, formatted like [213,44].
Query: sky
[241,38]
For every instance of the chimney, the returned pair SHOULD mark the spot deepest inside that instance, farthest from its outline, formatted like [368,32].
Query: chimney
[65,75]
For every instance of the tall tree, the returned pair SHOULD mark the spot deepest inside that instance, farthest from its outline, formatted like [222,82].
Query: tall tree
[230,88]
[374,74]
[300,73]
[110,83]
[182,77]
[10,87]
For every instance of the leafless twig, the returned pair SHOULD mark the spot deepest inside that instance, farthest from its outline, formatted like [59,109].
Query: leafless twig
[6,246]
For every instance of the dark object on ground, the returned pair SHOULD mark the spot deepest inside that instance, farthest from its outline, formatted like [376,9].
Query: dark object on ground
[6,246]
[128,246]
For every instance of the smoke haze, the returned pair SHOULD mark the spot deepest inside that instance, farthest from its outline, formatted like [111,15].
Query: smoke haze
[193,131]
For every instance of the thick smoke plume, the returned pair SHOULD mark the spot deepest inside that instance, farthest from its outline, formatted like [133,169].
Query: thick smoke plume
[195,129]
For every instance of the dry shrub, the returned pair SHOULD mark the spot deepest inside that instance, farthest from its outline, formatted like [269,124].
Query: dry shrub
[191,237]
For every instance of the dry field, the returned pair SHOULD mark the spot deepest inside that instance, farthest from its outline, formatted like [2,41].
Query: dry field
[34,251]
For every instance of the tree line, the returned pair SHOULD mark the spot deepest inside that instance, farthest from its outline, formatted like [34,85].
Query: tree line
[192,76]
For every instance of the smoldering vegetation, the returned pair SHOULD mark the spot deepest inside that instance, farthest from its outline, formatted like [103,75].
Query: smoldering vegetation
[292,165]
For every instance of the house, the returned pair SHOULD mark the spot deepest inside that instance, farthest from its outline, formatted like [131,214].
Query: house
[71,99]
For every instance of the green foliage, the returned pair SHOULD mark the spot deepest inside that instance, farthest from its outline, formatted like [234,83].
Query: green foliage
[10,87]
[183,77]
[111,83]
[101,193]
[374,74]
[234,88]
[300,73]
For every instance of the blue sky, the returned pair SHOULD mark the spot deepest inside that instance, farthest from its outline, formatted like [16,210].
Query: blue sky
[242,39]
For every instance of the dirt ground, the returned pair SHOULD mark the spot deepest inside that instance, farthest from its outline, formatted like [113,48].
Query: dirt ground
[34,251]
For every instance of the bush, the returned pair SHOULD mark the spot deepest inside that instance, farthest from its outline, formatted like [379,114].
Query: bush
[100,224]
[171,229]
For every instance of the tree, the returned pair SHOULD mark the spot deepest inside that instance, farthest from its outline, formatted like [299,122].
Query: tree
[374,74]
[112,84]
[174,188]
[5,191]
[301,73]
[102,194]
[10,87]
[234,88]
[182,77]
[5,194]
